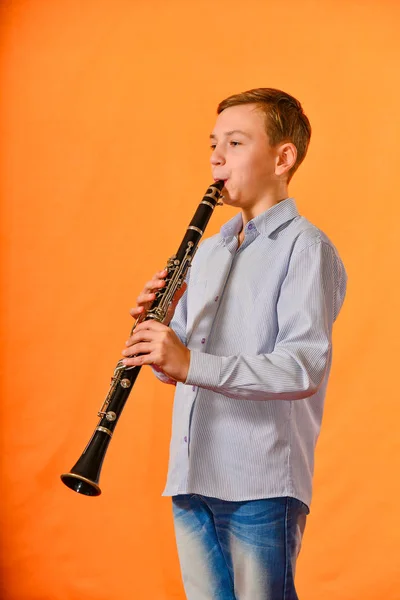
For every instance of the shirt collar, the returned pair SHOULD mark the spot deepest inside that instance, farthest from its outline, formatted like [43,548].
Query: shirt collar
[267,222]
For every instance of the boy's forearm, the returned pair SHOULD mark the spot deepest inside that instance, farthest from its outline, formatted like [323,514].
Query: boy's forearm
[276,376]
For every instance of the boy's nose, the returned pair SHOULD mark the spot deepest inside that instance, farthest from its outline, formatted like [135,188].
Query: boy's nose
[217,158]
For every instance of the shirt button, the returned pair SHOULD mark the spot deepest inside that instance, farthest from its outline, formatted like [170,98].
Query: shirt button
[185,439]
[203,341]
[194,388]
[216,298]
[250,226]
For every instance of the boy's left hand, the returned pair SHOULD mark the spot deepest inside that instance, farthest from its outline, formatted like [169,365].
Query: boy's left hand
[158,345]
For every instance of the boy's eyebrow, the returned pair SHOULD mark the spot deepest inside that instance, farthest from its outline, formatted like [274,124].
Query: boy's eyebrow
[227,133]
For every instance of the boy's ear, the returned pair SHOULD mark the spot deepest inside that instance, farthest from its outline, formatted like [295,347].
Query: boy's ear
[286,158]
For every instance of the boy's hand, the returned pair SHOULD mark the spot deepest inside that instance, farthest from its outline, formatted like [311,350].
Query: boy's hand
[158,345]
[147,296]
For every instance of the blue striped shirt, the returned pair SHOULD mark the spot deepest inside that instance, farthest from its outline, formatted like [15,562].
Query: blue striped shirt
[258,321]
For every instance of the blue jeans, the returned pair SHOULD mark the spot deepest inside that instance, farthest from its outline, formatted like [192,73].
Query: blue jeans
[238,550]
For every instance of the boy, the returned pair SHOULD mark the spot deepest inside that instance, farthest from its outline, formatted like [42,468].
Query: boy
[249,349]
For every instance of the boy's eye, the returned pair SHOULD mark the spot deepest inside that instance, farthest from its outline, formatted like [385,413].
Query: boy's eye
[231,143]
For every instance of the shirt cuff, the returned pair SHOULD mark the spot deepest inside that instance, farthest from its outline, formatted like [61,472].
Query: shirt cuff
[162,376]
[204,369]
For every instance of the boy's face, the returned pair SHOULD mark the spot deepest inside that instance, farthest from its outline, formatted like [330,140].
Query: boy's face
[243,157]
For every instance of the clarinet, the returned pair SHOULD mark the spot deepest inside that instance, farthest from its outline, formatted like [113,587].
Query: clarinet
[85,474]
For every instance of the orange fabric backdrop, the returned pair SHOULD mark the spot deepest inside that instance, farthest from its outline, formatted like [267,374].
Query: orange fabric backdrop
[106,107]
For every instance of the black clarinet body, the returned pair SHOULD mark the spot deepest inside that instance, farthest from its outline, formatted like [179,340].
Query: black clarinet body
[85,474]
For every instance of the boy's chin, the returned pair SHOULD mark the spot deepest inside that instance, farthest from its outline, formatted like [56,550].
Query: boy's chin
[229,201]
[226,197]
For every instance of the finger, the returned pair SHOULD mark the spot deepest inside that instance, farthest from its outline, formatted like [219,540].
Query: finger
[155,283]
[149,294]
[151,325]
[145,300]
[142,335]
[137,361]
[130,345]
[136,311]
[146,334]
[140,348]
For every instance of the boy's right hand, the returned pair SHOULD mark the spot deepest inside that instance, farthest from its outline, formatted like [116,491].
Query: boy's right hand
[147,296]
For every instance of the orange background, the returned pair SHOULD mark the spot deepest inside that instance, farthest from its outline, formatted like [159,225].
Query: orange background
[106,107]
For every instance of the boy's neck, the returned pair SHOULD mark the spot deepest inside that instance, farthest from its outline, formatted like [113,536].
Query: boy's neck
[267,201]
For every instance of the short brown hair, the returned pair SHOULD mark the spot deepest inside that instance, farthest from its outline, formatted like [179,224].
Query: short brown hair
[285,118]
